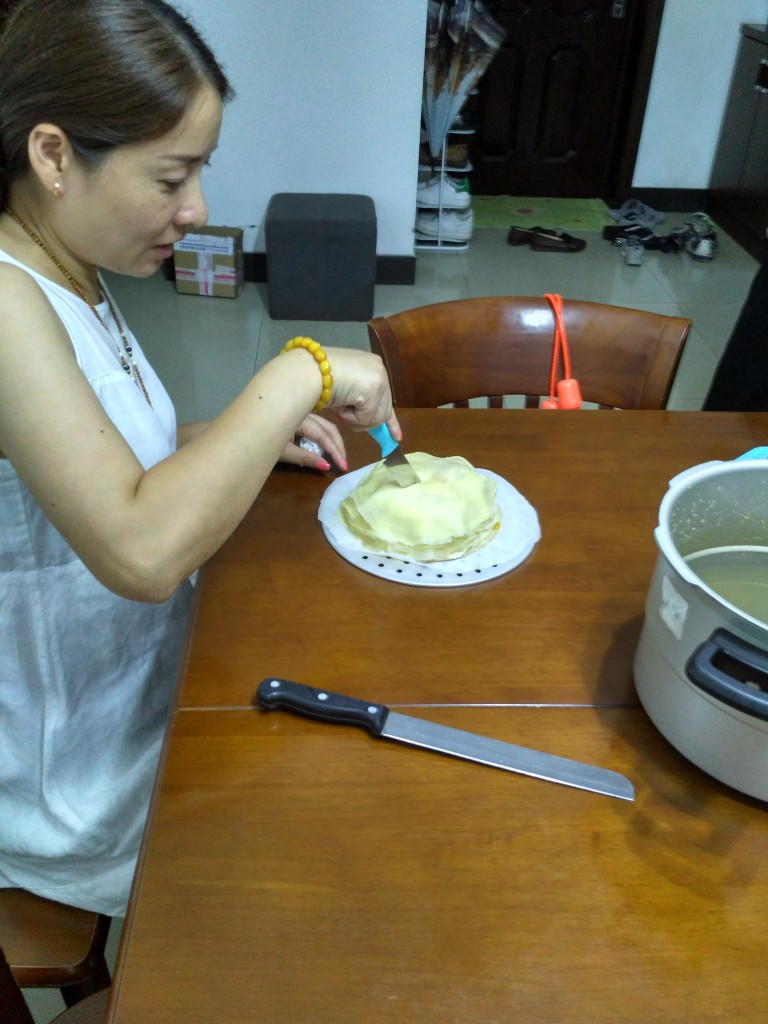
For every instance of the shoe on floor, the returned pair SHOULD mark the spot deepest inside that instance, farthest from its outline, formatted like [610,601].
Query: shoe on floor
[455,193]
[687,238]
[545,239]
[634,252]
[451,225]
[702,247]
[676,239]
[522,236]
[556,241]
[620,234]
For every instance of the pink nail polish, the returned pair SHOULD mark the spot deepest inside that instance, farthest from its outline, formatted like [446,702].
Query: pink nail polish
[322,464]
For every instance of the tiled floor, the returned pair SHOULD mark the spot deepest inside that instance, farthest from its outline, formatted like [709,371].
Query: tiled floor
[206,349]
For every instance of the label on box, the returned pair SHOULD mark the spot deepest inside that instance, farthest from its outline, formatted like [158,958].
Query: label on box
[219,244]
[209,261]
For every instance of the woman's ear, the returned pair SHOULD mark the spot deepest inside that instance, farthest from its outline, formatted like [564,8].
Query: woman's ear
[50,156]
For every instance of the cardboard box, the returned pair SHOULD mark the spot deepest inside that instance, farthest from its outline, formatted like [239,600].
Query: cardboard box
[209,261]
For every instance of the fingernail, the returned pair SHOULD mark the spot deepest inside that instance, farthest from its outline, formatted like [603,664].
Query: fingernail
[344,464]
[322,464]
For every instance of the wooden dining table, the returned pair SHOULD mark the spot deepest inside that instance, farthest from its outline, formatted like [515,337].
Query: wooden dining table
[297,871]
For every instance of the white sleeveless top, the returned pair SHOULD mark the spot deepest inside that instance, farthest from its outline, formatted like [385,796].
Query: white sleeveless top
[86,677]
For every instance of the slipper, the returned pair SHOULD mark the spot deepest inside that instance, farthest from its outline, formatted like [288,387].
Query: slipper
[638,211]
[556,241]
[522,236]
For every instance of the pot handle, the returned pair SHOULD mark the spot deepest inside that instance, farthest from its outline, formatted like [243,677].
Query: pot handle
[733,671]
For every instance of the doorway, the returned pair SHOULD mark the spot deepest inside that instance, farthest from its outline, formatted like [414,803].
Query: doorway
[560,110]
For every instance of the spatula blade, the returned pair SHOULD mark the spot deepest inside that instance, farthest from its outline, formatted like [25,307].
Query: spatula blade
[396,463]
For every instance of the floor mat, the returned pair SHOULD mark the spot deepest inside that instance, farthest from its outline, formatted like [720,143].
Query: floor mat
[562,214]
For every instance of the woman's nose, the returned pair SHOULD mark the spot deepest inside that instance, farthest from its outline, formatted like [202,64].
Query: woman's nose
[194,210]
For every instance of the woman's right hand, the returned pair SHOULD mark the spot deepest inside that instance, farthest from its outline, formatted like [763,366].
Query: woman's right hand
[362,396]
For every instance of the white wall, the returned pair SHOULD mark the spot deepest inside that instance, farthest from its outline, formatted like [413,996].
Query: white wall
[329,97]
[328,100]
[691,77]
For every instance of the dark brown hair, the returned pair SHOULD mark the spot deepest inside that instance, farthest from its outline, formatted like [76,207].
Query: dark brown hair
[107,72]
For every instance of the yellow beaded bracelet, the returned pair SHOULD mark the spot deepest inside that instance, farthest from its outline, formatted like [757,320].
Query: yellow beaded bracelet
[322,361]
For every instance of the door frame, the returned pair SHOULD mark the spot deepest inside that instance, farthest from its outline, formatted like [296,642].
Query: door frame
[622,164]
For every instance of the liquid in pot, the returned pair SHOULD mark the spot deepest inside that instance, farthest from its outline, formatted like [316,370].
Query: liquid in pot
[737,574]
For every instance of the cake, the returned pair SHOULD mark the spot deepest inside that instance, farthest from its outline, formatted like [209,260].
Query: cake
[450,513]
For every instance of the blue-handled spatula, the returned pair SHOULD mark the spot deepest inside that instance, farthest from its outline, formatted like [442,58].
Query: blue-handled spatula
[402,471]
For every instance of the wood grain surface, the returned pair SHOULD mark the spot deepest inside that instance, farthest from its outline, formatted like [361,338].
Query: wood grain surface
[295,872]
[305,873]
[562,627]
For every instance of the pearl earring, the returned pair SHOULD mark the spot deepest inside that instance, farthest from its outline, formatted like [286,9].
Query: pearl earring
[57,187]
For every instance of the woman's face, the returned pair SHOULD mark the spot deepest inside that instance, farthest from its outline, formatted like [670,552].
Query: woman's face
[125,215]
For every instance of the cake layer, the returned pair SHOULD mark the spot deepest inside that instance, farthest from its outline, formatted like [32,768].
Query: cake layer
[450,513]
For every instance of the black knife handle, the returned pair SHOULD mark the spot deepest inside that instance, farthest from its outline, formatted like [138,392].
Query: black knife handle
[329,707]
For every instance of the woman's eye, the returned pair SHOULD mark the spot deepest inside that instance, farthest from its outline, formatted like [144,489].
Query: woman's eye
[173,186]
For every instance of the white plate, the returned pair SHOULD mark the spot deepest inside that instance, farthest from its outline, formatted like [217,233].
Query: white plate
[515,540]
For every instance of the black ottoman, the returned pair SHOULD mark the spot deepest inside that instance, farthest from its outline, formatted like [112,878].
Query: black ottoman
[321,256]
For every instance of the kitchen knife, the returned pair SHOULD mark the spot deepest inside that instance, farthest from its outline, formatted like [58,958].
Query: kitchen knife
[379,720]
[402,471]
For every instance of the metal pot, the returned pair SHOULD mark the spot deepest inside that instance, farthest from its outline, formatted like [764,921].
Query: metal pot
[701,666]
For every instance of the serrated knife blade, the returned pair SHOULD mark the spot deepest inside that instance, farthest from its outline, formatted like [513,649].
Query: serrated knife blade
[379,720]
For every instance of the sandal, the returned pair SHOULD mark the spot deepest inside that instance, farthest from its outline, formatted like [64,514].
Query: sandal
[703,247]
[696,237]
[620,235]
[701,224]
[676,239]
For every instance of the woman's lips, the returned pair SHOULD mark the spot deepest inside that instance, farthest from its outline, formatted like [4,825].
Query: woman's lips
[164,251]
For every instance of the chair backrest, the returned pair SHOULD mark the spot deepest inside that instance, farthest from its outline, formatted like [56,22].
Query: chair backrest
[52,945]
[449,352]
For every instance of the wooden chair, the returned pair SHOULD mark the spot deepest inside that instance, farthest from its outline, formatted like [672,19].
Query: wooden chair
[52,945]
[449,352]
[14,1008]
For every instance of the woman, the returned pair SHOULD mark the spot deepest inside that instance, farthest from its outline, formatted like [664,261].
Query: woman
[109,109]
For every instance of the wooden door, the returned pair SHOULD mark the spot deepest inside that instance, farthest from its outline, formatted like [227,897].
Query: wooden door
[558,108]
[739,182]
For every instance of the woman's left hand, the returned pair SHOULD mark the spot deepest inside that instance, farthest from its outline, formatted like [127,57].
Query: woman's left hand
[323,433]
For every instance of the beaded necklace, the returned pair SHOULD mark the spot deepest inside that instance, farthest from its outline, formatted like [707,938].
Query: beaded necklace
[125,353]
